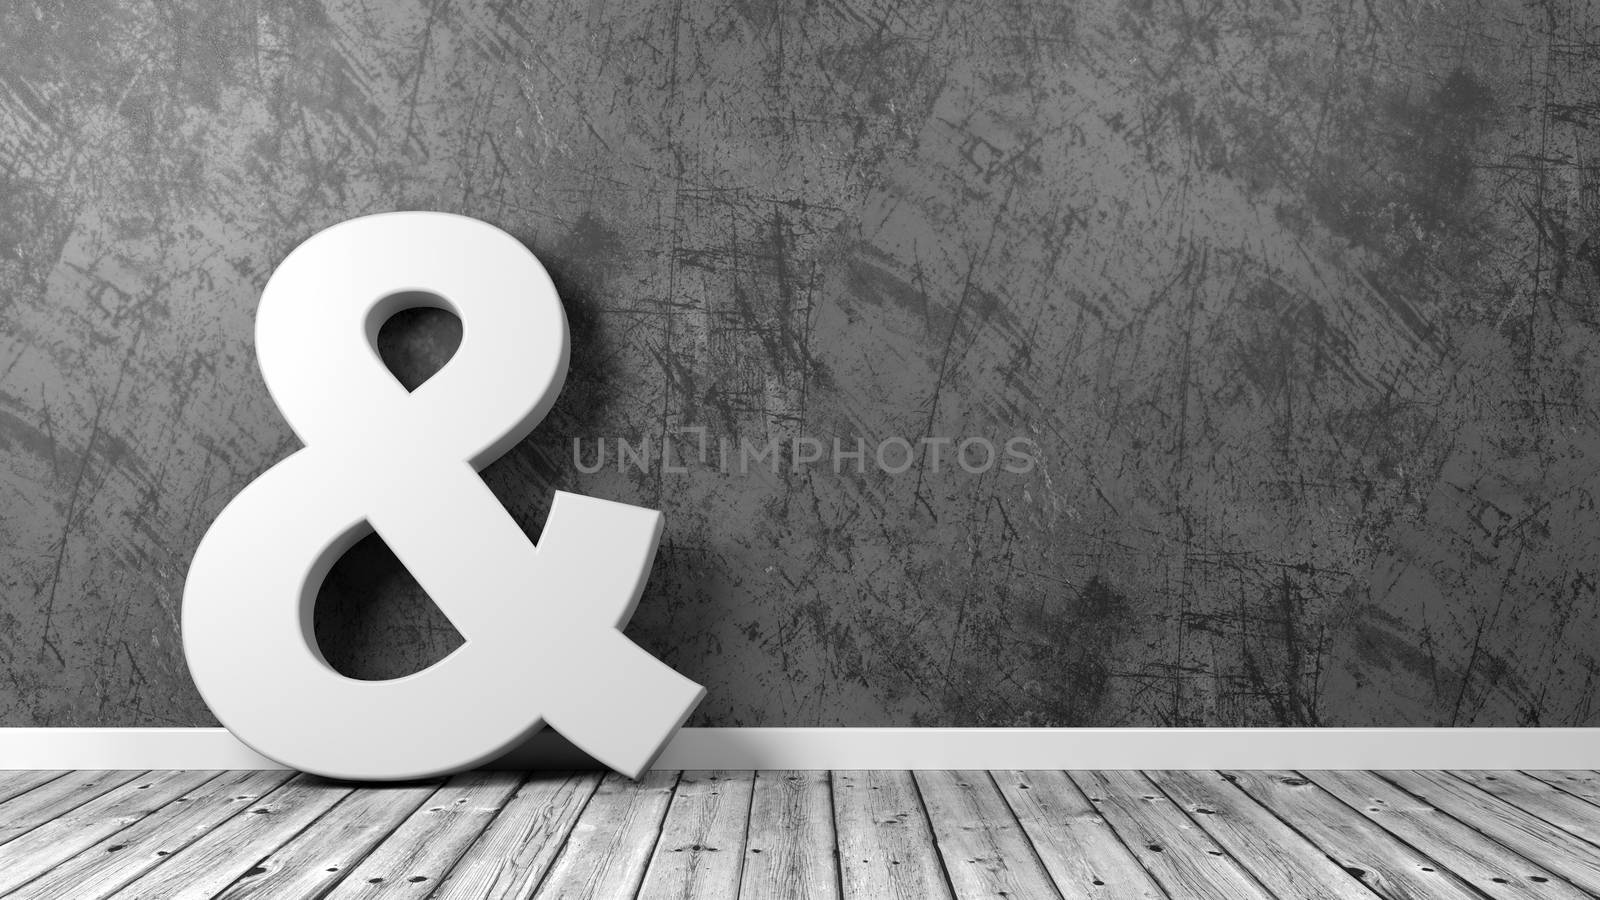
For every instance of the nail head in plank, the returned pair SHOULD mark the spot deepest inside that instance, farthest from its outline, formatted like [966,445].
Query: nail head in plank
[1281,859]
[1388,866]
[58,840]
[413,860]
[985,850]
[206,867]
[792,853]
[511,857]
[886,848]
[1480,862]
[1546,845]
[117,860]
[319,857]
[610,845]
[1571,814]
[1577,782]
[1084,856]
[701,849]
[25,812]
[1182,858]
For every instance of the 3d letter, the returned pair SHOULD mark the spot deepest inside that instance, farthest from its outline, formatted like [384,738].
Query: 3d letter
[542,624]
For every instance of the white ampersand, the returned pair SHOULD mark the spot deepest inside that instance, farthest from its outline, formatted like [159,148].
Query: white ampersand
[542,623]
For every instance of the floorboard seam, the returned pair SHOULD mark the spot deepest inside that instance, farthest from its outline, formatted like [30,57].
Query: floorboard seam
[1027,838]
[1249,798]
[10,797]
[566,838]
[933,835]
[1515,805]
[1122,841]
[1489,827]
[286,841]
[74,807]
[467,847]
[1557,785]
[661,827]
[1229,854]
[744,848]
[833,813]
[113,834]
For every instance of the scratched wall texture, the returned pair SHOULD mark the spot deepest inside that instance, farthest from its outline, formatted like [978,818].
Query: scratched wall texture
[1297,299]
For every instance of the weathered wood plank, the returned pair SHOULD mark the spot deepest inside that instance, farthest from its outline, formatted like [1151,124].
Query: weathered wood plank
[610,845]
[57,797]
[514,853]
[1284,862]
[413,860]
[118,859]
[19,781]
[886,848]
[1183,859]
[1085,857]
[1386,865]
[224,854]
[1533,838]
[701,849]
[1577,782]
[1571,814]
[67,835]
[1480,862]
[1324,835]
[985,851]
[792,853]
[319,857]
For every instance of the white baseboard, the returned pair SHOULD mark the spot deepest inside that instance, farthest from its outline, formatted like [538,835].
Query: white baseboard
[904,748]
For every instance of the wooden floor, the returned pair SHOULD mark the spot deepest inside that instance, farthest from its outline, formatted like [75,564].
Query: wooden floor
[871,834]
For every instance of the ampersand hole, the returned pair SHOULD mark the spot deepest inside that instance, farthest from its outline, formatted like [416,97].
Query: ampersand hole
[373,622]
[419,339]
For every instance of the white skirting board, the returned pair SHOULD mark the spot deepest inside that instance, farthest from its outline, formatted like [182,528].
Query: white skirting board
[903,748]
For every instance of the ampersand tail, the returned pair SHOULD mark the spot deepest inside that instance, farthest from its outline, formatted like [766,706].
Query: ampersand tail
[657,701]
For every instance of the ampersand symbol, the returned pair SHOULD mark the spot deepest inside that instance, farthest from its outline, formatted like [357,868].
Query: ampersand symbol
[542,623]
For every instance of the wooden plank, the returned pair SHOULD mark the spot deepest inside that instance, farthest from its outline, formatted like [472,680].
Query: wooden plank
[67,835]
[886,847]
[701,849]
[1474,858]
[318,858]
[20,781]
[791,853]
[118,859]
[1084,856]
[1281,859]
[985,851]
[57,797]
[511,857]
[609,847]
[417,857]
[1531,837]
[224,854]
[1181,857]
[1561,809]
[1386,865]
[1577,782]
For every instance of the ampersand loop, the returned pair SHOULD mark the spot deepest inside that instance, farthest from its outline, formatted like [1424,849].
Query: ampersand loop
[542,623]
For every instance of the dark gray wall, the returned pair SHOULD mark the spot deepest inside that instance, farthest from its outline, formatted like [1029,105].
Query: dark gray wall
[1296,299]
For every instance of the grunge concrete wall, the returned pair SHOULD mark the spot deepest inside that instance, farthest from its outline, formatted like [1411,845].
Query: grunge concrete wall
[1297,302]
